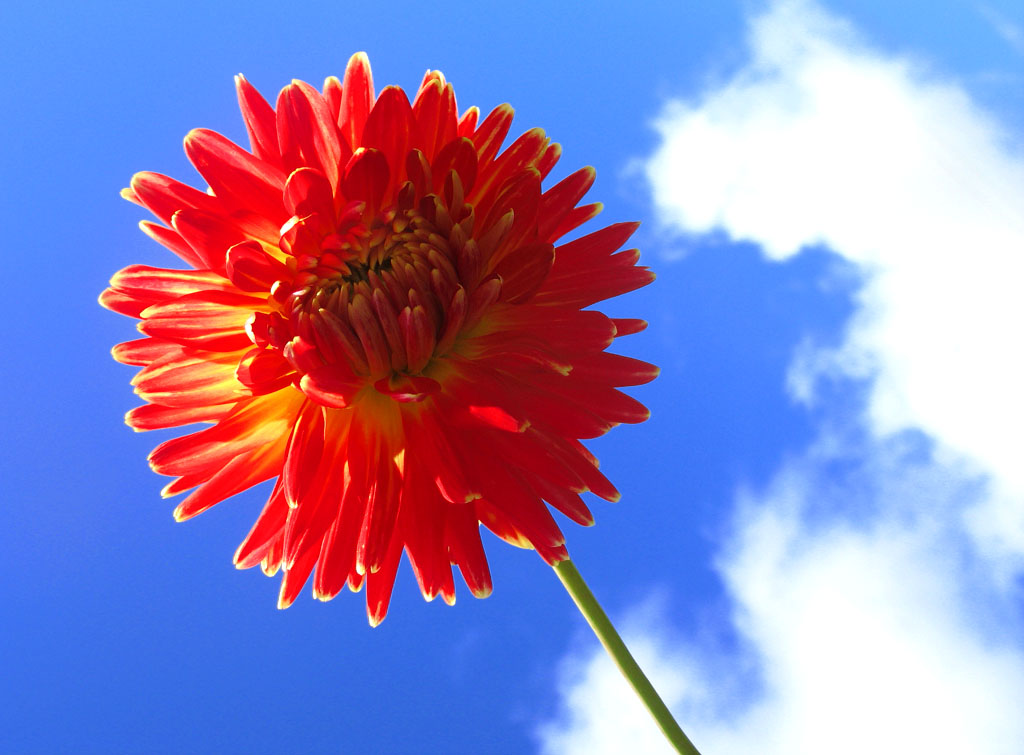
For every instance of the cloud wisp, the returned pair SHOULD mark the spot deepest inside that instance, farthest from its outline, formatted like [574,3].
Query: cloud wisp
[877,608]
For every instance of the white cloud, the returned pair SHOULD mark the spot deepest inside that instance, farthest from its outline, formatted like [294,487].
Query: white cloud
[871,622]
[592,686]
[819,140]
[855,636]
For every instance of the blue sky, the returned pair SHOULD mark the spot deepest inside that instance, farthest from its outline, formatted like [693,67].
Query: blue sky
[822,524]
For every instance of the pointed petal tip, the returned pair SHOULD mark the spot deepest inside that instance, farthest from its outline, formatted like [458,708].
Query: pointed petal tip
[482,591]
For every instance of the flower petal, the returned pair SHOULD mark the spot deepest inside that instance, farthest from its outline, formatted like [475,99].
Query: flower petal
[240,180]
[356,99]
[212,320]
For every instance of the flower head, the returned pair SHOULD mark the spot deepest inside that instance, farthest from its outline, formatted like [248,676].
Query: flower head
[378,317]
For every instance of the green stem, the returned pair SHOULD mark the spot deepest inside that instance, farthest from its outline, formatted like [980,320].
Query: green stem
[617,649]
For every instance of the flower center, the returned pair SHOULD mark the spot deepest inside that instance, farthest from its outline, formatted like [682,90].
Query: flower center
[379,300]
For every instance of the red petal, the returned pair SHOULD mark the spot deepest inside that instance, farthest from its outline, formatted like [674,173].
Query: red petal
[164,196]
[560,199]
[356,99]
[380,583]
[295,577]
[548,160]
[239,179]
[422,519]
[627,326]
[213,320]
[264,371]
[435,114]
[576,217]
[143,351]
[579,253]
[121,303]
[266,529]
[332,96]
[492,132]
[441,464]
[155,416]
[251,424]
[311,125]
[210,235]
[408,388]
[173,241]
[613,369]
[381,514]
[305,449]
[250,268]
[155,284]
[467,122]
[309,192]
[463,538]
[389,129]
[366,179]
[260,121]
[458,155]
[523,153]
[581,287]
[239,474]
[521,196]
[331,387]
[184,379]
[523,271]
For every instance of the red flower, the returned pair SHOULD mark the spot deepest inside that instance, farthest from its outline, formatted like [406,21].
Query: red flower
[378,318]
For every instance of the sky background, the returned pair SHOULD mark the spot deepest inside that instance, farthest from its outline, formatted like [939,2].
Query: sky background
[820,542]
